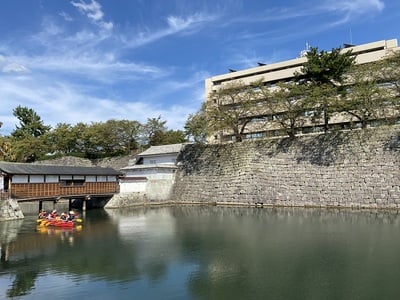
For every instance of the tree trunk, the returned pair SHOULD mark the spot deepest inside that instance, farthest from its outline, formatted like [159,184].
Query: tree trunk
[326,122]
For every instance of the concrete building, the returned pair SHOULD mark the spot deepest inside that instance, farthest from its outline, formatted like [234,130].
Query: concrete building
[284,71]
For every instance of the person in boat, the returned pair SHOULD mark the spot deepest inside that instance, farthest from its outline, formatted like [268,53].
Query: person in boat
[71,215]
[53,215]
[42,214]
[64,216]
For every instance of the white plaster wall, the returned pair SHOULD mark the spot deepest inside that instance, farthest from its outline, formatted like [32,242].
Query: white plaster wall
[36,178]
[52,178]
[152,173]
[20,179]
[135,186]
[91,178]
[101,178]
[165,159]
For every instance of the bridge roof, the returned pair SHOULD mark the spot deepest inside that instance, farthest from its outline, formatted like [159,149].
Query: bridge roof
[36,169]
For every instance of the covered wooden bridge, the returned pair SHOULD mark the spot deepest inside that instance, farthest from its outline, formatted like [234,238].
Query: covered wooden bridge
[36,182]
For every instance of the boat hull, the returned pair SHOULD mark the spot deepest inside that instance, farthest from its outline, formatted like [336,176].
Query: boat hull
[55,223]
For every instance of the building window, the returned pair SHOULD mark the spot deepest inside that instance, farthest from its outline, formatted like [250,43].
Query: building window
[72,182]
[309,113]
[255,135]
[258,119]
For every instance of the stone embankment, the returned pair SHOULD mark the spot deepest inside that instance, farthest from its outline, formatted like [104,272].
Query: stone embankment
[127,200]
[359,169]
[10,210]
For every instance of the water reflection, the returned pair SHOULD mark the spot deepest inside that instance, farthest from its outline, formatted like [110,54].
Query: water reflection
[206,253]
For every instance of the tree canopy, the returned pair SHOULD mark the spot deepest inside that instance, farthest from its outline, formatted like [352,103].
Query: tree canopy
[231,108]
[31,125]
[33,140]
[324,72]
[323,67]
[286,104]
[196,125]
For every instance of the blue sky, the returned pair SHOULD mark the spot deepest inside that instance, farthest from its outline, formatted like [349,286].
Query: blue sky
[90,61]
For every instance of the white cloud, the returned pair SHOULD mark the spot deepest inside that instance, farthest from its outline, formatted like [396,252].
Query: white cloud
[14,68]
[175,25]
[62,84]
[350,9]
[60,101]
[66,16]
[94,12]
[95,67]
[93,9]
[355,6]
[345,8]
[10,66]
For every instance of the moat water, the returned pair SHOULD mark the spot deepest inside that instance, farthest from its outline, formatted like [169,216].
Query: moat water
[205,253]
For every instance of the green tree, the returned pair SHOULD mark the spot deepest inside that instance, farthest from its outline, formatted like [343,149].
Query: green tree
[196,126]
[148,130]
[366,100]
[31,125]
[327,70]
[64,139]
[323,101]
[389,77]
[230,109]
[168,137]
[6,150]
[110,138]
[29,139]
[390,72]
[101,140]
[129,135]
[30,149]
[286,105]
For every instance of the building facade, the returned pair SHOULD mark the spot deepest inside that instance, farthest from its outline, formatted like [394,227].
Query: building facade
[152,173]
[270,74]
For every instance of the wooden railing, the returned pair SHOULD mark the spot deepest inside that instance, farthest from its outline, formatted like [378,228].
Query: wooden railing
[48,190]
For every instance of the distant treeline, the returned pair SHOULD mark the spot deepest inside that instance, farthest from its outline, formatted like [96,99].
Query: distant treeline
[33,140]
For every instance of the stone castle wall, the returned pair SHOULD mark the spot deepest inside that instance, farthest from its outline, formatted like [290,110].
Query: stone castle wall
[359,168]
[10,210]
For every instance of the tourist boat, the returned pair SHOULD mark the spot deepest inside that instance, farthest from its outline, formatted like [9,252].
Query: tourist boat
[53,230]
[57,223]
